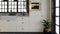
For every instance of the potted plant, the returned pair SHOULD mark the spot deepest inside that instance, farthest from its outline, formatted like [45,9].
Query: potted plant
[47,28]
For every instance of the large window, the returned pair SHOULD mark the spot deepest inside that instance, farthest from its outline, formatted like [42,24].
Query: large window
[14,6]
[57,16]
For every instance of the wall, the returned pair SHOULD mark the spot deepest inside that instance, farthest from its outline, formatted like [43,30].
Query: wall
[31,23]
[49,9]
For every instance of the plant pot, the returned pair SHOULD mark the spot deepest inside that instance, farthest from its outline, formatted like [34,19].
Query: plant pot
[47,31]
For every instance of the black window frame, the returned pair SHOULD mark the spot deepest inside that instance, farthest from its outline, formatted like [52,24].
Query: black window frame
[53,15]
[27,4]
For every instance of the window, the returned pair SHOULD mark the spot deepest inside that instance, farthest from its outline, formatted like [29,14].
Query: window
[14,6]
[57,16]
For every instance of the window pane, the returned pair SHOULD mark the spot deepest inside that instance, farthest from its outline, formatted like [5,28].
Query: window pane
[13,6]
[57,11]
[57,29]
[57,3]
[57,20]
[22,6]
